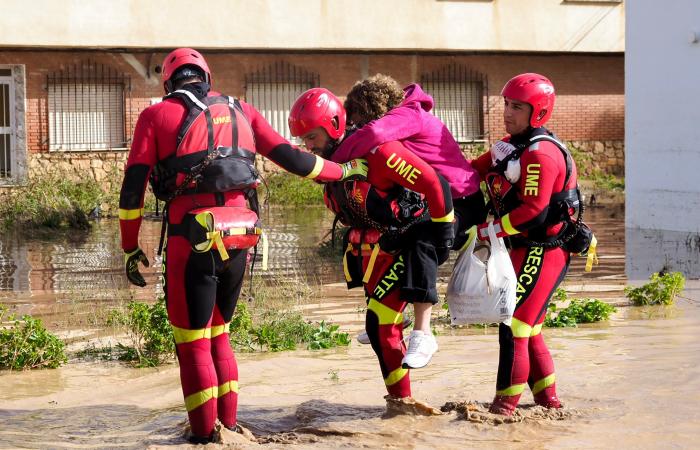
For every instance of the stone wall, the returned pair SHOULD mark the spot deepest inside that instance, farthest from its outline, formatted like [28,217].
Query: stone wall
[107,168]
[592,157]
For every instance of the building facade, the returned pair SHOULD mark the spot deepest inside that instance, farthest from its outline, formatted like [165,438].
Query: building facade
[71,91]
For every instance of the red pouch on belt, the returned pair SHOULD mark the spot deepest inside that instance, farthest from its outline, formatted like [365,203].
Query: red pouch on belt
[223,228]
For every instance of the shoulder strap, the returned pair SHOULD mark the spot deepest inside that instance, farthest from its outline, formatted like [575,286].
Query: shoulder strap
[562,148]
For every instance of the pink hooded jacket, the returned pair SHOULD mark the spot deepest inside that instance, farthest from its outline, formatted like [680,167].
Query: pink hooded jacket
[422,133]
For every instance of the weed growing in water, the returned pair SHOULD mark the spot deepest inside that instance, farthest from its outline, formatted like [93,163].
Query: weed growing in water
[52,201]
[276,326]
[289,190]
[26,344]
[152,341]
[276,331]
[586,310]
[660,290]
[333,375]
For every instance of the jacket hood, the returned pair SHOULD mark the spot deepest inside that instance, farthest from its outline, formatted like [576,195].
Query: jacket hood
[415,94]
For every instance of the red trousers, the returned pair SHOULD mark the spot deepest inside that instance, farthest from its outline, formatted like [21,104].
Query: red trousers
[524,356]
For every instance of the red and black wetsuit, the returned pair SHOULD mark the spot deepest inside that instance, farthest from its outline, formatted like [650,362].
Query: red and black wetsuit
[524,210]
[201,290]
[383,273]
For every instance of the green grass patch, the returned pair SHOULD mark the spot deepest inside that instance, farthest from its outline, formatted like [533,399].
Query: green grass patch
[53,202]
[607,181]
[275,331]
[660,290]
[285,189]
[150,334]
[585,310]
[26,344]
[267,322]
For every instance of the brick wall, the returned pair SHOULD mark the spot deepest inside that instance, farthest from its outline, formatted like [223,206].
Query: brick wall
[590,89]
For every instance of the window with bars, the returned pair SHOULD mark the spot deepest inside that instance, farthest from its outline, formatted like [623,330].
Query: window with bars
[458,94]
[273,90]
[6,124]
[87,108]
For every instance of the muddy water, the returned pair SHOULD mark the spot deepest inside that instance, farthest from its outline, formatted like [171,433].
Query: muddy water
[631,382]
[72,281]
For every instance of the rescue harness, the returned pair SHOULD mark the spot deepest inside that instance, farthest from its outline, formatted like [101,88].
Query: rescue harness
[214,169]
[575,236]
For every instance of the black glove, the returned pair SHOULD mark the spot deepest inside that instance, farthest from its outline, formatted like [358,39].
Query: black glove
[131,263]
[442,234]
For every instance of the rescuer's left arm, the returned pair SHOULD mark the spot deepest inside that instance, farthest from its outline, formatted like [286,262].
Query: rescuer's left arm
[270,144]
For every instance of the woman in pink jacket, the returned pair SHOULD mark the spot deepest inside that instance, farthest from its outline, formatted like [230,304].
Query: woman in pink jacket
[383,112]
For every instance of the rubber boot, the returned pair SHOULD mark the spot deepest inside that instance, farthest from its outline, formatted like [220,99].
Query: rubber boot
[504,404]
[547,397]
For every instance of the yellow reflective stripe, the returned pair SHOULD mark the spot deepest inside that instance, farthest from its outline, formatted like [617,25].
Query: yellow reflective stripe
[395,376]
[537,329]
[520,329]
[130,214]
[543,383]
[194,401]
[205,219]
[348,278]
[183,335]
[229,386]
[515,389]
[219,329]
[317,168]
[220,246]
[592,254]
[385,314]
[448,218]
[370,264]
[508,227]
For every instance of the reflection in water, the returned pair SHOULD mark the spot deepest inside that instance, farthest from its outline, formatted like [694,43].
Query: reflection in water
[69,276]
[66,279]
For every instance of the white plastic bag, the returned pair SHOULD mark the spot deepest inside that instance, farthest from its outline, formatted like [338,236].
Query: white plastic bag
[482,291]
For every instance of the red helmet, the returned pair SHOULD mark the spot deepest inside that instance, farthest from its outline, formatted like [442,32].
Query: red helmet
[182,57]
[535,90]
[315,108]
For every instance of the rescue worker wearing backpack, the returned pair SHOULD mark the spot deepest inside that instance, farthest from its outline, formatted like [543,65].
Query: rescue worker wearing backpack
[197,147]
[402,192]
[532,182]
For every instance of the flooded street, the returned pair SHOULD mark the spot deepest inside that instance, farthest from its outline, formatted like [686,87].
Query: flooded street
[631,382]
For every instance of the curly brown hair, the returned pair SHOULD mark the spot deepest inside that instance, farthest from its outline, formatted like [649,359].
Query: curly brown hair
[372,97]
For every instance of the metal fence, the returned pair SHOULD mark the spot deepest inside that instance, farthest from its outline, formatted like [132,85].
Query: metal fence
[459,95]
[273,89]
[87,108]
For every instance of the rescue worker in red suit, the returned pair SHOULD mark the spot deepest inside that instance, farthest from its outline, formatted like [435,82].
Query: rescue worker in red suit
[528,174]
[395,176]
[171,139]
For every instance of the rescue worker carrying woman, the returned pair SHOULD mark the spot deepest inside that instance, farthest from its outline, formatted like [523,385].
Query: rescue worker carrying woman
[385,112]
[197,148]
[402,191]
[532,182]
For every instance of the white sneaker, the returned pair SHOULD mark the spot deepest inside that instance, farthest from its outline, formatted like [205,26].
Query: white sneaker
[421,348]
[363,338]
